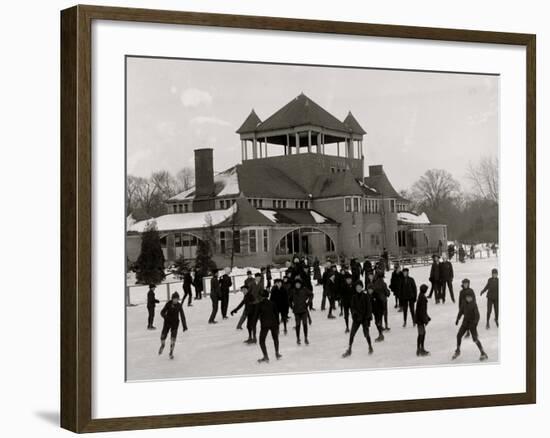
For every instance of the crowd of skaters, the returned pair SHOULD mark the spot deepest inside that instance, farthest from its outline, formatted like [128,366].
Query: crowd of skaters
[359,292]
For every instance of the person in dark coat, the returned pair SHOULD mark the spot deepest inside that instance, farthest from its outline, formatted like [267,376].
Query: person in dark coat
[268,316]
[361,315]
[279,296]
[215,295]
[299,300]
[355,270]
[422,319]
[382,289]
[446,276]
[461,254]
[492,296]
[225,287]
[408,296]
[197,282]
[317,271]
[248,283]
[268,276]
[324,281]
[346,294]
[172,312]
[379,299]
[469,313]
[435,279]
[151,304]
[396,284]
[367,268]
[247,302]
[255,289]
[332,293]
[187,283]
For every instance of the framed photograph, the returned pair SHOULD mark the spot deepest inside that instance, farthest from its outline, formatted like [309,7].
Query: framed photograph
[271,218]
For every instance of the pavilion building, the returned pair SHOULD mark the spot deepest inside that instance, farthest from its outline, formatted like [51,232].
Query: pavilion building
[300,189]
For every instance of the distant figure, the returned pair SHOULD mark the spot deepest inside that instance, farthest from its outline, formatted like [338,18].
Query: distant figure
[247,302]
[446,276]
[197,282]
[268,276]
[472,252]
[422,319]
[469,313]
[346,295]
[396,284]
[451,251]
[317,271]
[492,296]
[172,312]
[461,254]
[279,296]
[408,296]
[386,259]
[151,304]
[435,279]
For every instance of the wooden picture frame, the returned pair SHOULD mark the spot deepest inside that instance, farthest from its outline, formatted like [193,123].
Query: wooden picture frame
[76,217]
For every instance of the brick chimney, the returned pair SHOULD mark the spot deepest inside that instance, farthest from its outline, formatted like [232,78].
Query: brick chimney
[204,173]
[376,170]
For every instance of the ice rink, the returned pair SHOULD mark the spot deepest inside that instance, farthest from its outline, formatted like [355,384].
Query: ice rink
[218,350]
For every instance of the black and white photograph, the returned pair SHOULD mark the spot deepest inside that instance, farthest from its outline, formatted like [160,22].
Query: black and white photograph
[307,218]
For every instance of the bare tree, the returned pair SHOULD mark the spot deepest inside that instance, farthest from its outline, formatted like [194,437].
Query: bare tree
[185,179]
[145,193]
[484,177]
[164,183]
[434,188]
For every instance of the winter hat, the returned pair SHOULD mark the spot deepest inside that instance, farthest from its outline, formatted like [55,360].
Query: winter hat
[466,280]
[176,295]
[423,289]
[278,280]
[258,275]
[405,269]
[358,283]
[248,272]
[494,271]
[152,286]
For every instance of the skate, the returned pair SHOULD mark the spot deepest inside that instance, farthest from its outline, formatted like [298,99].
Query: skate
[380,338]
[330,316]
[171,356]
[418,352]
[263,359]
[298,342]
[347,353]
[285,332]
[153,328]
[424,353]
[307,341]
[161,349]
[347,330]
[496,322]
[456,354]
[483,356]
[404,324]
[370,349]
[278,356]
[387,329]
[239,328]
[400,309]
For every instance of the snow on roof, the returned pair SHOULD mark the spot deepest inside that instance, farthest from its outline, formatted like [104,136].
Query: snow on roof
[412,218]
[319,218]
[226,183]
[270,214]
[184,221]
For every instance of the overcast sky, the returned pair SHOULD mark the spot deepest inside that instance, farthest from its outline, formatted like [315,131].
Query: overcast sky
[414,120]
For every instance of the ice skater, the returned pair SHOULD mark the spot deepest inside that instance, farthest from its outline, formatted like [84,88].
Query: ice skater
[346,295]
[396,284]
[446,276]
[470,319]
[408,296]
[247,302]
[172,312]
[151,304]
[434,279]
[215,295]
[299,300]
[361,314]
[269,322]
[422,319]
[377,304]
[492,296]
[187,283]
[225,286]
[279,296]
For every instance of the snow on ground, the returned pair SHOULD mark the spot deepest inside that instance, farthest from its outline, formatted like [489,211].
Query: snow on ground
[218,350]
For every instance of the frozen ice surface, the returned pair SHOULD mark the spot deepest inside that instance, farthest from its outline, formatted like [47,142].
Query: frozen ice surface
[218,350]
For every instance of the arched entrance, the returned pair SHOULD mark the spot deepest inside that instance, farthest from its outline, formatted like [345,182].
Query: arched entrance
[305,241]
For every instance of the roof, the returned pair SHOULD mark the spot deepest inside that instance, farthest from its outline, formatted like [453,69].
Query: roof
[245,214]
[340,184]
[301,111]
[410,218]
[226,183]
[352,123]
[264,180]
[185,221]
[379,181]
[296,216]
[250,124]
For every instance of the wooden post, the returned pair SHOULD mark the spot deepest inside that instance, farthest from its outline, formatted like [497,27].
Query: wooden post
[338,148]
[265,146]
[167,291]
[297,137]
[309,141]
[254,148]
[288,150]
